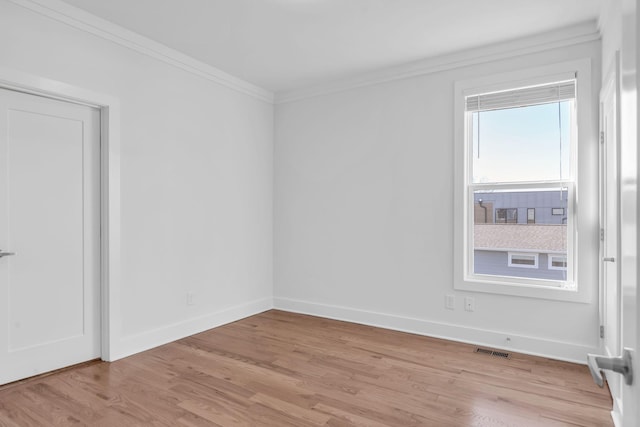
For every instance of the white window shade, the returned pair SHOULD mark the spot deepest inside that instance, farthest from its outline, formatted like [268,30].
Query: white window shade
[556,92]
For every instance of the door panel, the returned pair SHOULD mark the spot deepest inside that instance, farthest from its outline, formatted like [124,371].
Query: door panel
[610,225]
[49,217]
[626,411]
[629,206]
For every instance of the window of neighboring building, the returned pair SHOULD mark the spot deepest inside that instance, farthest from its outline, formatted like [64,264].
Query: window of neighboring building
[523,260]
[531,216]
[517,146]
[507,216]
[557,262]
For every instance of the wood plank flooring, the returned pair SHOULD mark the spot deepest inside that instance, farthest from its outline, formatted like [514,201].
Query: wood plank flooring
[289,370]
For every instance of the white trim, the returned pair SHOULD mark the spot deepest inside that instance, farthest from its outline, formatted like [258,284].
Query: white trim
[570,352]
[84,21]
[114,344]
[137,343]
[616,414]
[525,255]
[110,188]
[570,36]
[572,291]
[539,251]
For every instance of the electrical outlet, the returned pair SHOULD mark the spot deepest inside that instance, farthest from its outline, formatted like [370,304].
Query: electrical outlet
[469,303]
[450,302]
[191,298]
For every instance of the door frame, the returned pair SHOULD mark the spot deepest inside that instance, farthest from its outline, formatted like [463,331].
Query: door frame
[611,86]
[110,221]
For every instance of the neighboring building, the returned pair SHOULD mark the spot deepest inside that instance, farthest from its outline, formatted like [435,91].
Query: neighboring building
[521,207]
[521,234]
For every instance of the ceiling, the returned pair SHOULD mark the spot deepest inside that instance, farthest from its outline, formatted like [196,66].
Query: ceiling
[282,45]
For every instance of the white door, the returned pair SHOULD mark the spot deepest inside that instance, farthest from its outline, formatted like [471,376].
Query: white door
[627,391]
[629,235]
[610,229]
[50,234]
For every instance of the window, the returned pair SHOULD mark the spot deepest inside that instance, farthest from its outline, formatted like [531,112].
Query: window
[507,216]
[523,260]
[557,262]
[519,143]
[531,216]
[517,150]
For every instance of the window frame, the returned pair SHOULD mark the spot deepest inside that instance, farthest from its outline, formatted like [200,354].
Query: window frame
[573,290]
[533,219]
[568,183]
[550,265]
[535,255]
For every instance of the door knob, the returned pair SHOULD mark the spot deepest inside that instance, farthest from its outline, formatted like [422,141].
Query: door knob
[621,365]
[3,253]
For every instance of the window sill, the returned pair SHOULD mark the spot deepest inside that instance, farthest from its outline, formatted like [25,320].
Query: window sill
[569,294]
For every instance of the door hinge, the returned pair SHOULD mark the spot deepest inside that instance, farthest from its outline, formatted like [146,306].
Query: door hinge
[602,234]
[601,331]
[601,137]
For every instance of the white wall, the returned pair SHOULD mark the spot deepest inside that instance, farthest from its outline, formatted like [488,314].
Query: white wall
[196,176]
[610,24]
[364,207]
[363,198]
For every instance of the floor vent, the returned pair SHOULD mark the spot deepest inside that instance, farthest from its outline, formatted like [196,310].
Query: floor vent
[484,351]
[495,353]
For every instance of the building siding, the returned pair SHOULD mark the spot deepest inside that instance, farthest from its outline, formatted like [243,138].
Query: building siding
[496,263]
[542,201]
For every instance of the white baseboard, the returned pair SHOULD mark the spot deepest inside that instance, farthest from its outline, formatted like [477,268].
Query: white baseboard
[616,414]
[569,352]
[133,344]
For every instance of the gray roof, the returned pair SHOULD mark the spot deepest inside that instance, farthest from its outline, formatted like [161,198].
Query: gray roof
[521,237]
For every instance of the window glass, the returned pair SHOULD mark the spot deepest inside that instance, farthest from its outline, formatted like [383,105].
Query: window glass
[517,155]
[510,232]
[531,215]
[507,215]
[522,144]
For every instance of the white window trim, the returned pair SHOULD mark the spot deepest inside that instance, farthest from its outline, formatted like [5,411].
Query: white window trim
[550,258]
[581,288]
[523,254]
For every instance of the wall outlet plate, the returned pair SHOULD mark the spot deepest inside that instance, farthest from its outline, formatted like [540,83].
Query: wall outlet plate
[450,302]
[469,303]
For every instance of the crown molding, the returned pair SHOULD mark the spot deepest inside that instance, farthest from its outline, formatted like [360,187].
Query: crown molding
[608,11]
[82,20]
[576,34]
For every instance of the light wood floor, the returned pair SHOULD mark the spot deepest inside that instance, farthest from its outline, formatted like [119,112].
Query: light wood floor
[282,369]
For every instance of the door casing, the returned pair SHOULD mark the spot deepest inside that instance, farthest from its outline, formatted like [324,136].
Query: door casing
[110,221]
